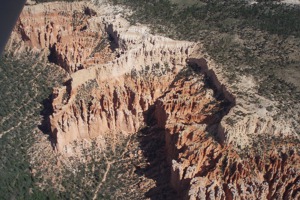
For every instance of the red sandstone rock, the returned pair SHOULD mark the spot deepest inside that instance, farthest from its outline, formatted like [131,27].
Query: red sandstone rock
[109,96]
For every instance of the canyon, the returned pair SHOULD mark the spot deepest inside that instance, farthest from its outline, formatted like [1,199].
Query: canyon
[219,142]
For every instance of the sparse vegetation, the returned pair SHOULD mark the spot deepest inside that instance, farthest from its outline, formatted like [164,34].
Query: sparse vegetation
[112,171]
[258,40]
[227,30]
[24,84]
[85,92]
[45,1]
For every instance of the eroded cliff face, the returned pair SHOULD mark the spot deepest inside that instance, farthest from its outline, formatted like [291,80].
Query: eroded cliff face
[204,165]
[113,97]
[67,31]
[205,168]
[123,79]
[109,106]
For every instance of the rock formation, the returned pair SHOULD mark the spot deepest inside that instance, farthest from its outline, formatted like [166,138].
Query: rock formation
[73,39]
[123,78]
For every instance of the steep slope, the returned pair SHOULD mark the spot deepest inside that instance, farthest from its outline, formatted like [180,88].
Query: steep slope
[66,30]
[125,80]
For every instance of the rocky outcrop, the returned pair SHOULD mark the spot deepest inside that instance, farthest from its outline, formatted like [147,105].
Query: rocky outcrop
[205,168]
[114,101]
[67,31]
[123,78]
[108,106]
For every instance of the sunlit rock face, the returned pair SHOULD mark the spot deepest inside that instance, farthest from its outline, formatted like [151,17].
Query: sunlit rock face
[67,31]
[123,79]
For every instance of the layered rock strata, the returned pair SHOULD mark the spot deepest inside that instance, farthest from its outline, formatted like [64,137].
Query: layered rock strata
[67,31]
[123,78]
[205,167]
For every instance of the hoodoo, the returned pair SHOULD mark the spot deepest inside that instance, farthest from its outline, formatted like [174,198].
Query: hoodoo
[124,79]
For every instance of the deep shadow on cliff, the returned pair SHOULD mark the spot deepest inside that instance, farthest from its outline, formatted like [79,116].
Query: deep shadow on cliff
[152,143]
[155,136]
[45,125]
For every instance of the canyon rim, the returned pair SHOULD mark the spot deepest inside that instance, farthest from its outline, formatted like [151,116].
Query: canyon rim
[160,108]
